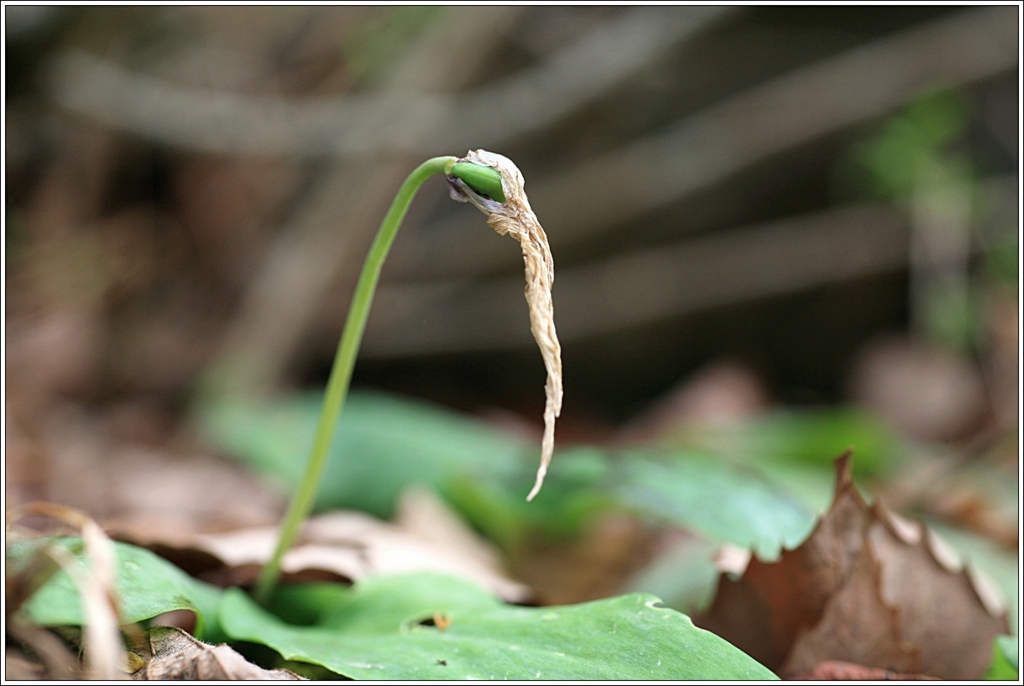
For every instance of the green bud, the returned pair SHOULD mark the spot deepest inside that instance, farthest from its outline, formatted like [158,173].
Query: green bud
[482,180]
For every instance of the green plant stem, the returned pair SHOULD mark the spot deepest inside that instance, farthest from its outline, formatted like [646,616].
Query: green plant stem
[341,373]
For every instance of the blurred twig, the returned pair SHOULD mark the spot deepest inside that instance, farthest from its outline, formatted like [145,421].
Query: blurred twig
[644,286]
[405,120]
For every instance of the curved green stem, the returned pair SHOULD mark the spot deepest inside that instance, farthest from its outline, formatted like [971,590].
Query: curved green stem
[341,372]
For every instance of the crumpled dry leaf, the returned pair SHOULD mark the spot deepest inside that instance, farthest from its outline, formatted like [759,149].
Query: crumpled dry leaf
[866,587]
[170,654]
[515,217]
[856,625]
[349,545]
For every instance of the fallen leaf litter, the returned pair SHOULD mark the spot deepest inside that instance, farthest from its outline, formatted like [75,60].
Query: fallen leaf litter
[867,588]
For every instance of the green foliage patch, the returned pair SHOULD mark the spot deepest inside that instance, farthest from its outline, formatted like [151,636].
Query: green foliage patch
[147,586]
[427,626]
[1004,665]
[385,444]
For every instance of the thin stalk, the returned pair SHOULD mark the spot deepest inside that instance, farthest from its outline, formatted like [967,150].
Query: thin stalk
[341,373]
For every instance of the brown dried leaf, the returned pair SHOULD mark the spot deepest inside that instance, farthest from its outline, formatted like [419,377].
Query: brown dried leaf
[865,587]
[856,626]
[834,670]
[515,217]
[422,514]
[170,654]
[942,610]
[94,467]
[346,545]
[790,594]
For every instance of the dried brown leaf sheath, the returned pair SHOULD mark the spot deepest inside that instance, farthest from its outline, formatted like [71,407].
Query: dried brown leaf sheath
[516,218]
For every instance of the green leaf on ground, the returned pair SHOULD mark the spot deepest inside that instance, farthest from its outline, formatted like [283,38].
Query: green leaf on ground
[683,575]
[377,606]
[382,445]
[392,628]
[710,497]
[147,586]
[1004,660]
[385,444]
[812,436]
[575,492]
[794,449]
[307,603]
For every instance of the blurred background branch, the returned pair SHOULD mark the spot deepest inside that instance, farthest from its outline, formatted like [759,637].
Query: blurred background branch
[710,146]
[627,290]
[420,116]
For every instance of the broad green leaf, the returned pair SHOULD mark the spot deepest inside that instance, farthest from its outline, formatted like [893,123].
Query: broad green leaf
[1004,665]
[385,444]
[684,575]
[708,496]
[382,445]
[307,603]
[627,637]
[812,437]
[795,449]
[576,490]
[375,606]
[147,585]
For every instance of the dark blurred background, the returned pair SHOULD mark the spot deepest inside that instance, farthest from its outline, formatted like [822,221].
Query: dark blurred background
[822,199]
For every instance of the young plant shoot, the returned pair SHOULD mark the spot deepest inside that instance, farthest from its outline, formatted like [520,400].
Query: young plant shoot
[494,185]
